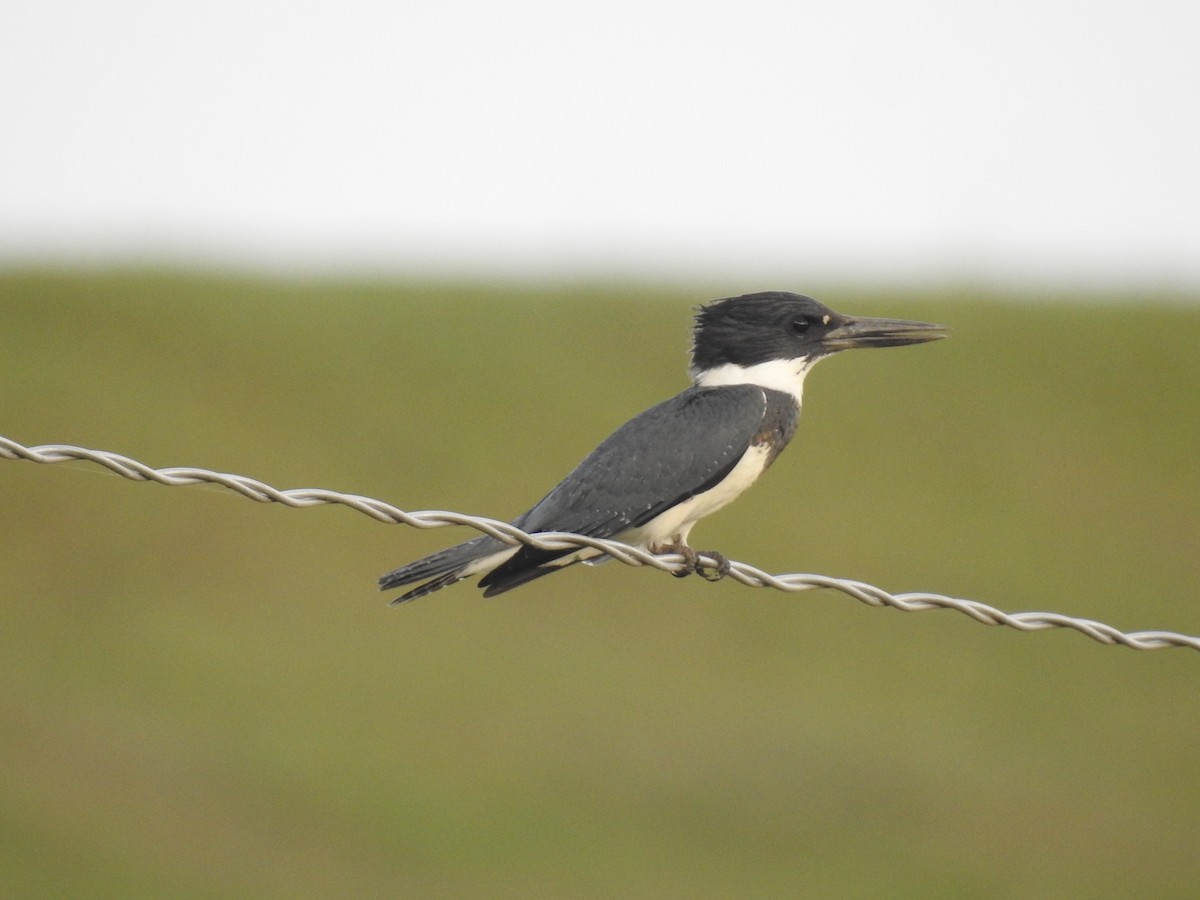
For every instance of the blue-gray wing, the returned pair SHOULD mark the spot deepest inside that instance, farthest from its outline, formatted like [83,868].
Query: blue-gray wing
[665,455]
[669,453]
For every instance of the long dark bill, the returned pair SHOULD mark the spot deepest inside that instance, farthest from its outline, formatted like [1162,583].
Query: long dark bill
[866,332]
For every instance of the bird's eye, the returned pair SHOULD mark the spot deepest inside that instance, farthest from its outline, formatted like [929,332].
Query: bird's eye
[800,325]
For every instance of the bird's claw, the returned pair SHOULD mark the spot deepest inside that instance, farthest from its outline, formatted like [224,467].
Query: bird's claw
[714,571]
[690,560]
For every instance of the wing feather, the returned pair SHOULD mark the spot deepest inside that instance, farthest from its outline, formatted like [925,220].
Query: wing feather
[658,459]
[661,457]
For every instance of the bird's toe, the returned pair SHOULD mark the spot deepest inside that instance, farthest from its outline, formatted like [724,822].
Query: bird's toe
[691,559]
[712,572]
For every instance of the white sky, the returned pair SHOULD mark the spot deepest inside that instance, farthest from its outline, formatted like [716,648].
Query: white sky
[1008,141]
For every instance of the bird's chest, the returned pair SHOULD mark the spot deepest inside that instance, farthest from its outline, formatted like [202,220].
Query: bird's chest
[676,522]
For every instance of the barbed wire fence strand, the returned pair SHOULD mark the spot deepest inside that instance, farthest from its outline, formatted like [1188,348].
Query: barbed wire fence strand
[624,553]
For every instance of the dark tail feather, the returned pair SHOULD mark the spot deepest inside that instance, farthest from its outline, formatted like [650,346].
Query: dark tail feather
[443,567]
[516,579]
[428,588]
[525,565]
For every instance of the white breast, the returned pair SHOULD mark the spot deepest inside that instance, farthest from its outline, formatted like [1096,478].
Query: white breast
[674,524]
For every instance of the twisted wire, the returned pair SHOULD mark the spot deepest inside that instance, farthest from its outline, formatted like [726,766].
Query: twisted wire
[629,555]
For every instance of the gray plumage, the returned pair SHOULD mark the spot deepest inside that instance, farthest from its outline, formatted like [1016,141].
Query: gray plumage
[627,480]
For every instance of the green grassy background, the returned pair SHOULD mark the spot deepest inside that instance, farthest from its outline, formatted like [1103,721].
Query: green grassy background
[206,697]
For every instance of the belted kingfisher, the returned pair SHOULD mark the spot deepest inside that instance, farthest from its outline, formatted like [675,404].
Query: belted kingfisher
[662,471]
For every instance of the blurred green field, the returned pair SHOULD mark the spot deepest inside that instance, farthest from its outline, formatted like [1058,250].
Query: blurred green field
[207,697]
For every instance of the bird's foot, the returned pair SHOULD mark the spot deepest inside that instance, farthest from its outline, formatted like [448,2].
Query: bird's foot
[714,571]
[690,559]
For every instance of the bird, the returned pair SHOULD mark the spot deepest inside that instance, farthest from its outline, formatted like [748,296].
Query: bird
[657,475]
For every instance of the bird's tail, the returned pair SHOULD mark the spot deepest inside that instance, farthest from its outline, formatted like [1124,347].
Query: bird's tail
[443,568]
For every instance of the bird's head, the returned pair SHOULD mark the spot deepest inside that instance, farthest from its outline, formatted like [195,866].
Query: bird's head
[773,336]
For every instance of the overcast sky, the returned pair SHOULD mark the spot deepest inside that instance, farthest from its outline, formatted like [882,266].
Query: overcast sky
[1008,141]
